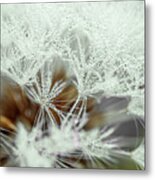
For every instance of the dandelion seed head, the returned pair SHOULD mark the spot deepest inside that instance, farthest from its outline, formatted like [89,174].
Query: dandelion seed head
[63,58]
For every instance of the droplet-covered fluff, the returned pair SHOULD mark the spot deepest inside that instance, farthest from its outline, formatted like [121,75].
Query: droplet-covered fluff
[72,85]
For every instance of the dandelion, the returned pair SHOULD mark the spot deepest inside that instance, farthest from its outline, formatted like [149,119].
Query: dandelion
[66,96]
[73,135]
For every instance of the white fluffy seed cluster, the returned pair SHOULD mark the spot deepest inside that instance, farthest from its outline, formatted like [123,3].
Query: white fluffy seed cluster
[102,45]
